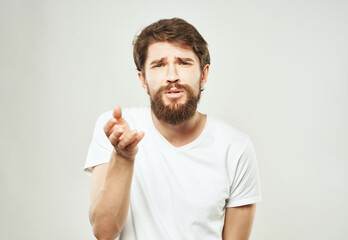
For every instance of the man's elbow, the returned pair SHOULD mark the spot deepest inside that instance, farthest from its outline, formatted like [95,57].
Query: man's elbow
[102,232]
[103,227]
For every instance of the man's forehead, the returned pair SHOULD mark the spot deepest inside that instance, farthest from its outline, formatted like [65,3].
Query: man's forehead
[168,51]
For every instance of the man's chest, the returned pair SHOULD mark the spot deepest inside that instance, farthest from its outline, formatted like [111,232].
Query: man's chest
[182,184]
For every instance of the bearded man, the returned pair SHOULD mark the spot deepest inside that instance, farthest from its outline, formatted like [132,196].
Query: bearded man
[169,171]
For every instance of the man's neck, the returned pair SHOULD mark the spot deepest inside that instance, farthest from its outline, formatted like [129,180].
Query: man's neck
[181,134]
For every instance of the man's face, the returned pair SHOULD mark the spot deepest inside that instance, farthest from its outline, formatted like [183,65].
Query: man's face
[173,81]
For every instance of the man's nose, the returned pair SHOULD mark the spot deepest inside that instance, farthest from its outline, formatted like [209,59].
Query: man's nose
[172,75]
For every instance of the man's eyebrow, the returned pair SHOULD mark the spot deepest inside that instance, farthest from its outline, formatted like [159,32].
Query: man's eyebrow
[178,58]
[185,59]
[157,61]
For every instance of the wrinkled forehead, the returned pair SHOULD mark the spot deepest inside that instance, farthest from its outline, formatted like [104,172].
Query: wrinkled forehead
[169,51]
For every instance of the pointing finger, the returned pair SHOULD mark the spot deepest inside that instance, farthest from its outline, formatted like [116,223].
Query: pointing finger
[117,112]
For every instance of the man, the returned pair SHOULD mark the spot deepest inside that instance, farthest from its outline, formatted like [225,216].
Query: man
[169,171]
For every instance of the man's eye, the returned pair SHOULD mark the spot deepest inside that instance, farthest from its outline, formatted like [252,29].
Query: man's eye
[158,65]
[184,63]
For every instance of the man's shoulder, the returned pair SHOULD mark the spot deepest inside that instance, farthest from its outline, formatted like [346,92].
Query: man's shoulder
[227,131]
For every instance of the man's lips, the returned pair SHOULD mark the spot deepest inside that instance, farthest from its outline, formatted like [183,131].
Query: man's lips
[174,90]
[174,93]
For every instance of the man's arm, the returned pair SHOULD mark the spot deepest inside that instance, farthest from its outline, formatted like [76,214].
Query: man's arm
[238,222]
[110,194]
[111,182]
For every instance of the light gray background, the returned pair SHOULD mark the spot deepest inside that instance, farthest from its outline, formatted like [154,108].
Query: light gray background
[278,73]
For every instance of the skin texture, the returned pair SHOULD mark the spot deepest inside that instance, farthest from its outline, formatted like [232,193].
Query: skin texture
[166,64]
[172,69]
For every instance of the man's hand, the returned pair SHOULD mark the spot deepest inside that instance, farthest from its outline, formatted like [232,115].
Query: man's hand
[124,140]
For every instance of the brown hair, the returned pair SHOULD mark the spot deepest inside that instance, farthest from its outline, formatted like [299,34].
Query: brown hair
[175,30]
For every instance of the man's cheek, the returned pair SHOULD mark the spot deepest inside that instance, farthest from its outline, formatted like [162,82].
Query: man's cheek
[148,89]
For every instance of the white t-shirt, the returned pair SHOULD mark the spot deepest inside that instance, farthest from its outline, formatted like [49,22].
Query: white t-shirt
[182,192]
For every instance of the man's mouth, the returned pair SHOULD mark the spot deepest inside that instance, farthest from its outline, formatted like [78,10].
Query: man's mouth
[174,93]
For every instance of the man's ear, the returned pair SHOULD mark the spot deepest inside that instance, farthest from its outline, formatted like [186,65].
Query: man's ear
[205,73]
[142,80]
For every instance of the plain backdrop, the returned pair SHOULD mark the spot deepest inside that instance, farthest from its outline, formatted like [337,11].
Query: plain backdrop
[278,73]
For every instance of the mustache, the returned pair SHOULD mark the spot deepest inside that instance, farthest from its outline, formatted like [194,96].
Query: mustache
[172,85]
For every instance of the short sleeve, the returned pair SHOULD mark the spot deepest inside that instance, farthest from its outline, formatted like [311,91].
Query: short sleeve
[100,148]
[245,188]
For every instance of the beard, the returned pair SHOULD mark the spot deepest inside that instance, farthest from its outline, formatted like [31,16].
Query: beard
[174,113]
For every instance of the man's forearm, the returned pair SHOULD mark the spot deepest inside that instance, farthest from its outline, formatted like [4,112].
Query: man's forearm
[109,207]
